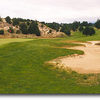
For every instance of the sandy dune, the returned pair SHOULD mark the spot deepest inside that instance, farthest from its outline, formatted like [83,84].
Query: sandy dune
[87,63]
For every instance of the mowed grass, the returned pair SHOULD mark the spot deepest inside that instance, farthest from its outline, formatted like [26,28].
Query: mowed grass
[23,68]
[5,41]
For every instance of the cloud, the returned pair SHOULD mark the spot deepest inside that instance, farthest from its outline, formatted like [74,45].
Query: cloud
[52,10]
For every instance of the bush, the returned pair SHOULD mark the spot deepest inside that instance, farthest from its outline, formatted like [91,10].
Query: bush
[1,32]
[15,21]
[23,28]
[11,30]
[50,31]
[33,29]
[75,25]
[8,20]
[81,28]
[28,23]
[88,31]
[68,32]
[97,24]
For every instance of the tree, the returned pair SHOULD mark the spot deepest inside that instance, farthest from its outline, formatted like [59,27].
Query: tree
[81,28]
[88,31]
[23,28]
[28,23]
[33,28]
[75,25]
[65,30]
[15,21]
[54,26]
[97,24]
[1,32]
[8,20]
[84,23]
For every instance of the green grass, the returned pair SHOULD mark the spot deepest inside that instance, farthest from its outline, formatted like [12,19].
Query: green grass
[78,36]
[23,68]
[5,41]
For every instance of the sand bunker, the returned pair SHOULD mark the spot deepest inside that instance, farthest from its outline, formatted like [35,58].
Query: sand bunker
[87,63]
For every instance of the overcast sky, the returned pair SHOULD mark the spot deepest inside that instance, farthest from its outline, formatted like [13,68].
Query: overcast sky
[64,11]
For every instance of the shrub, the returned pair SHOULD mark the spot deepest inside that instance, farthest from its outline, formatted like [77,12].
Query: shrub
[8,20]
[33,29]
[11,30]
[84,23]
[68,32]
[50,31]
[1,32]
[89,31]
[81,28]
[97,24]
[75,25]
[28,23]
[23,28]
[15,21]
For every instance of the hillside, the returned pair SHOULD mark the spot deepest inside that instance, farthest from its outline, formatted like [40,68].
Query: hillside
[49,32]
[45,31]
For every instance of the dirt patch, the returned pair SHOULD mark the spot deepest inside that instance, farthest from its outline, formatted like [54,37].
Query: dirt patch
[84,64]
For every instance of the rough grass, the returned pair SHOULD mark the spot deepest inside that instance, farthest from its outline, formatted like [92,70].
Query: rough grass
[78,36]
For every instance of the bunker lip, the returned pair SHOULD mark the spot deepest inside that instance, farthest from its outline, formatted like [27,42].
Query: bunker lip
[84,64]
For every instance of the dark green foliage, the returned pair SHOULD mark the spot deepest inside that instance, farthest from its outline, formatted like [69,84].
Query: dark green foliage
[23,28]
[68,32]
[43,23]
[1,32]
[15,21]
[8,20]
[84,23]
[11,30]
[75,25]
[90,24]
[97,24]
[81,28]
[28,23]
[33,28]
[65,30]
[88,31]
[54,25]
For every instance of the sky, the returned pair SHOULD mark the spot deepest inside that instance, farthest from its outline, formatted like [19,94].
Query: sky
[61,11]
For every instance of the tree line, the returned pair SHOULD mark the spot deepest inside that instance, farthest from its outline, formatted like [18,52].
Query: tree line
[84,27]
[27,26]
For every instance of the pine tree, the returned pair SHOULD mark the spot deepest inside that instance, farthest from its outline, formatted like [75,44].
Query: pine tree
[8,19]
[23,28]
